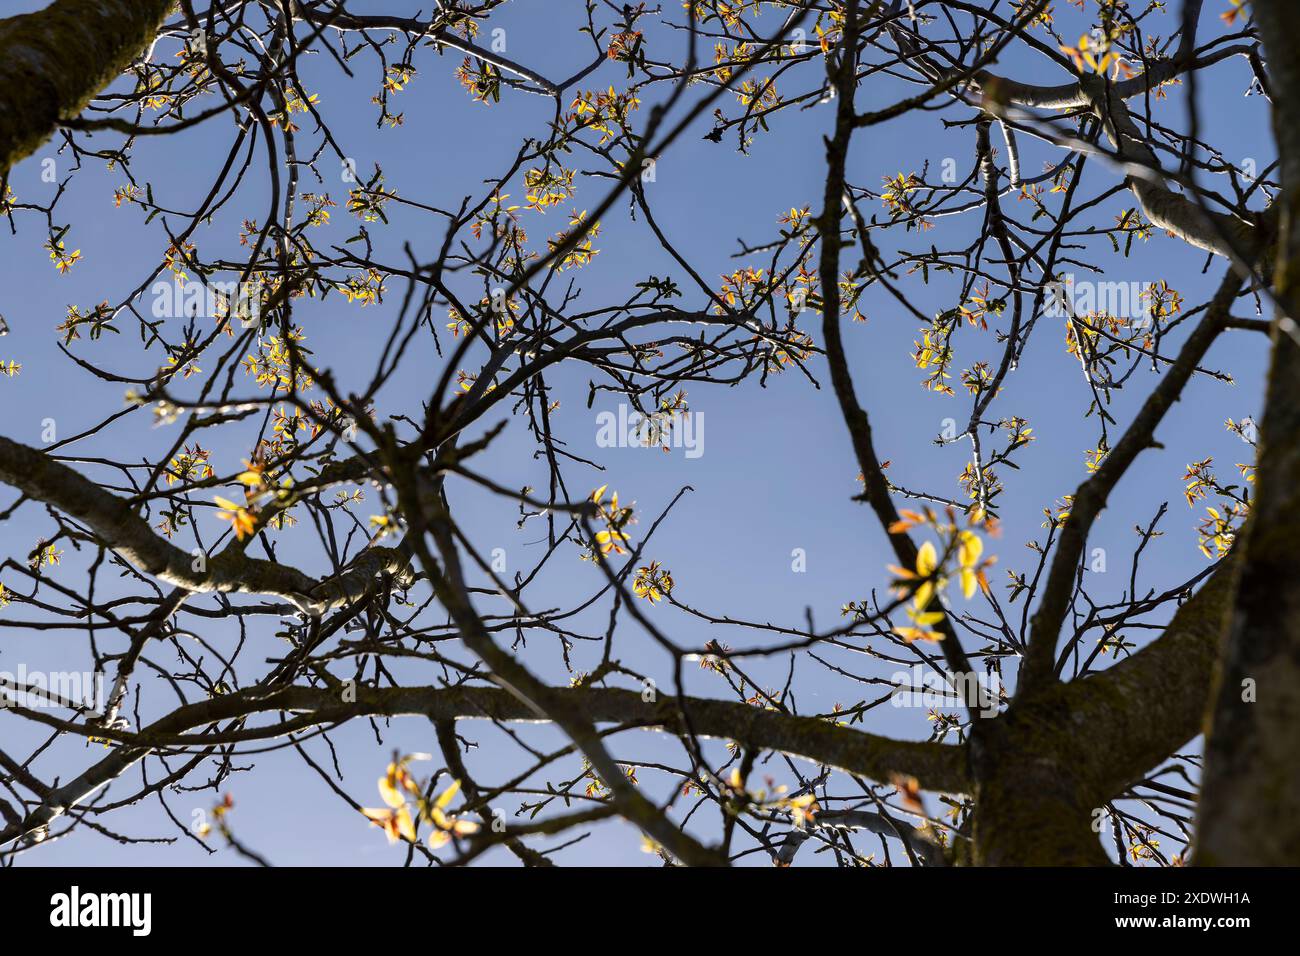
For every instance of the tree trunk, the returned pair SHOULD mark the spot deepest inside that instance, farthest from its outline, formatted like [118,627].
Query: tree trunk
[54,61]
[1250,797]
[1034,798]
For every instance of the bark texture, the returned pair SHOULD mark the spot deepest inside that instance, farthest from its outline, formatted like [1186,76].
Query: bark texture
[54,61]
[1044,768]
[1250,799]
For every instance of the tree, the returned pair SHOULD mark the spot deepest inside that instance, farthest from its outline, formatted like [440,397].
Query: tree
[1251,773]
[57,59]
[354,529]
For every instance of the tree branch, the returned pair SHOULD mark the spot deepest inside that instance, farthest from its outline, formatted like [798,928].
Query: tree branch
[54,61]
[936,767]
[114,521]
[1039,667]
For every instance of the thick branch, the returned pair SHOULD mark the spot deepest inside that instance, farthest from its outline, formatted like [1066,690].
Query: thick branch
[115,522]
[1136,713]
[1217,233]
[1220,234]
[1047,765]
[54,61]
[936,767]
[1250,799]
[1091,496]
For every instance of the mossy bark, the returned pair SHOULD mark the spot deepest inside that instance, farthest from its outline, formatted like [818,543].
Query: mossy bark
[1043,769]
[1034,793]
[1250,798]
[54,61]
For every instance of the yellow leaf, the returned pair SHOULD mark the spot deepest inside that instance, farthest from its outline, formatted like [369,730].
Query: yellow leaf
[926,559]
[448,795]
[969,582]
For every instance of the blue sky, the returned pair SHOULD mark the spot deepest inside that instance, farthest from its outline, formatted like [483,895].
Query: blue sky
[777,472]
